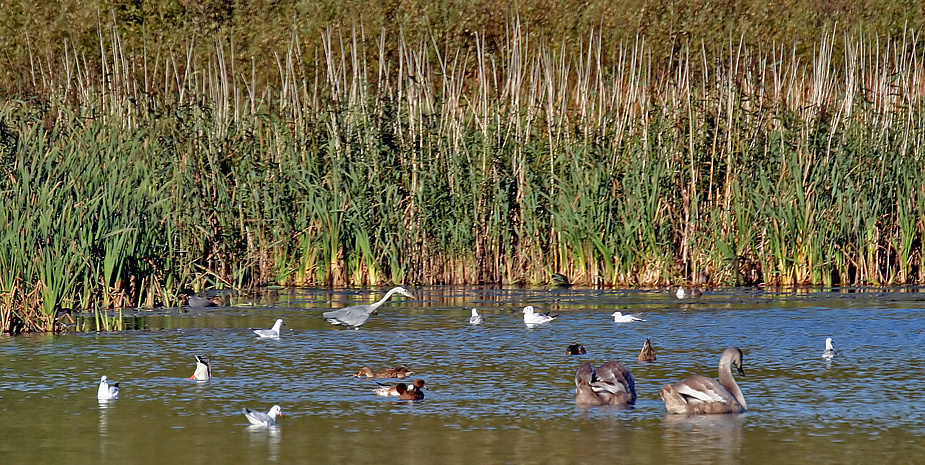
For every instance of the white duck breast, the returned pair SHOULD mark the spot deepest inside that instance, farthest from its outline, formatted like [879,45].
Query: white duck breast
[263,419]
[354,316]
[107,391]
[533,318]
[829,353]
[203,370]
[272,332]
[475,319]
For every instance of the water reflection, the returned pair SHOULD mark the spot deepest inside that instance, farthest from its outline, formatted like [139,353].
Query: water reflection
[704,438]
[105,406]
[269,435]
[498,392]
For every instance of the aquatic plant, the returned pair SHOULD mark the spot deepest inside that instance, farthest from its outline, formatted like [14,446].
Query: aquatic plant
[147,171]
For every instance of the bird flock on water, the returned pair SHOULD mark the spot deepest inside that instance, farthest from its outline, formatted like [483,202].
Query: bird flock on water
[610,384]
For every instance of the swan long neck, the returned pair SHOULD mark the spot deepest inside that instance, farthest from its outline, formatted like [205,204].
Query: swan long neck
[727,380]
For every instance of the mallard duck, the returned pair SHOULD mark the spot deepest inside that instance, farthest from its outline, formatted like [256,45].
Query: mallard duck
[647,354]
[399,372]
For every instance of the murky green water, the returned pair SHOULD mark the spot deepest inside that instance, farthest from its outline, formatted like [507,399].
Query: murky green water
[497,393]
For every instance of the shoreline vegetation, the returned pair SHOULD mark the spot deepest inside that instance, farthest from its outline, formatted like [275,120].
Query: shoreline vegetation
[361,158]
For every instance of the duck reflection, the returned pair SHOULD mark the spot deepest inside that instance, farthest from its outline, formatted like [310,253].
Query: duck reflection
[712,438]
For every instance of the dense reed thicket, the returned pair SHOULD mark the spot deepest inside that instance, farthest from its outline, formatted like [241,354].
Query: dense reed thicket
[136,173]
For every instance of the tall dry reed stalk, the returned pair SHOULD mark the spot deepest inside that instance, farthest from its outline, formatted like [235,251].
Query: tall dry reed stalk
[142,173]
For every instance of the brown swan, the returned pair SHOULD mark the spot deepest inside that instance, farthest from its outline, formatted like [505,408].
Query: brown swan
[701,395]
[611,384]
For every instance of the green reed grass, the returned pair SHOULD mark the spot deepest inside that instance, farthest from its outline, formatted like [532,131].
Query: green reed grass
[143,172]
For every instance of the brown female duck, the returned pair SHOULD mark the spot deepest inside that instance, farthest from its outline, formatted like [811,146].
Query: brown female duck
[399,372]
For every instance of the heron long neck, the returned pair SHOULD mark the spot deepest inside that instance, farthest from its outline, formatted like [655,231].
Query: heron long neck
[728,381]
[373,307]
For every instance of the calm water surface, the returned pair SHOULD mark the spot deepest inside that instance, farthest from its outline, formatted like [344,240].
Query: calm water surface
[497,393]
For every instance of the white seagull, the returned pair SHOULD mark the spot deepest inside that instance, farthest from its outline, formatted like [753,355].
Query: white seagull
[829,353]
[272,332]
[621,318]
[107,391]
[263,419]
[533,318]
[475,319]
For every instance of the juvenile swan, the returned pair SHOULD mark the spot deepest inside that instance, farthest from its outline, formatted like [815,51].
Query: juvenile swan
[354,316]
[701,395]
[611,384]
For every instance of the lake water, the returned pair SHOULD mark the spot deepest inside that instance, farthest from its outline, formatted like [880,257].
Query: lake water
[496,393]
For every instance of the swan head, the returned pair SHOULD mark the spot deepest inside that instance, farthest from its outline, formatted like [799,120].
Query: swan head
[733,358]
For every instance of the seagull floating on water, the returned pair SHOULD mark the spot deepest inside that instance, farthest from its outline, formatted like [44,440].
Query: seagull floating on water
[263,419]
[203,369]
[829,353]
[354,316]
[533,318]
[475,319]
[107,391]
[272,332]
[621,318]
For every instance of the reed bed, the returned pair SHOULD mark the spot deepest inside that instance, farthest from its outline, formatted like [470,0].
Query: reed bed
[136,174]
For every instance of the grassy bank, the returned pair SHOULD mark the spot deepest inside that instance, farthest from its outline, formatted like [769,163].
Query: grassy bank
[135,173]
